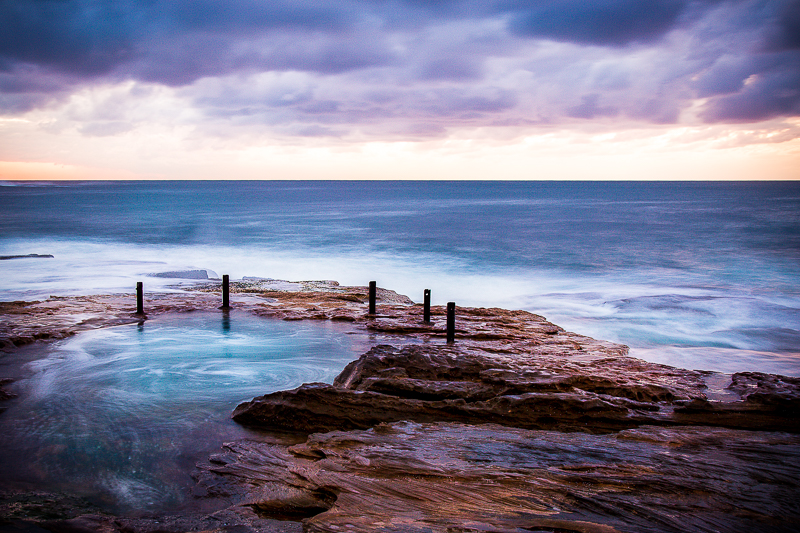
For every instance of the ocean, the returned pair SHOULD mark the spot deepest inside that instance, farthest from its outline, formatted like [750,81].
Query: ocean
[700,275]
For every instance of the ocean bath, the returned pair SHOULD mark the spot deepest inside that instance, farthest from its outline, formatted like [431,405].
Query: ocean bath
[416,431]
[120,415]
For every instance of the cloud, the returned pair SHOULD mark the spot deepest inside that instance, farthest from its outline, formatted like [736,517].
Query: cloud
[105,128]
[785,33]
[197,56]
[599,22]
[772,91]
[26,87]
[356,68]
[81,37]
[450,68]
[589,108]
[249,16]
[758,76]
[93,38]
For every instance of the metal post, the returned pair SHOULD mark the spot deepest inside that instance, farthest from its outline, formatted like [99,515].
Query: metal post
[426,306]
[139,298]
[372,292]
[451,322]
[225,291]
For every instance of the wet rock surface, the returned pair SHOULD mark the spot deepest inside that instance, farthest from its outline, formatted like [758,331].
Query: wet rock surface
[455,384]
[38,512]
[453,477]
[518,426]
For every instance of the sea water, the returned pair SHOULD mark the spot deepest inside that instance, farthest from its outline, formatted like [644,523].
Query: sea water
[699,275]
[120,415]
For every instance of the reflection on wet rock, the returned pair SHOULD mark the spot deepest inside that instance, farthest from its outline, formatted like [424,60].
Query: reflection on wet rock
[454,477]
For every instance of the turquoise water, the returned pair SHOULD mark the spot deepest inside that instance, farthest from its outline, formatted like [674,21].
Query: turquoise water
[701,275]
[120,415]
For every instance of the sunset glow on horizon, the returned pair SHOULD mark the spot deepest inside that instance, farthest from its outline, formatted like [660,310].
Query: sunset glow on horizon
[545,90]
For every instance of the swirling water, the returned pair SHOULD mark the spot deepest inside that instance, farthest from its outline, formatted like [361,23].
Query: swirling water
[699,275]
[120,415]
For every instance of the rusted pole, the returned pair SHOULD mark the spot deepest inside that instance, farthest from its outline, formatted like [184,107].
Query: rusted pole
[139,298]
[372,293]
[426,306]
[451,322]
[225,291]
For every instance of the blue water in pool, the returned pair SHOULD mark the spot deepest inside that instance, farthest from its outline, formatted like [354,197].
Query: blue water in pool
[120,415]
[702,275]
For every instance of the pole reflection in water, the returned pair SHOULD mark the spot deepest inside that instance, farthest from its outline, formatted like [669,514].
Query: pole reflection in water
[226,321]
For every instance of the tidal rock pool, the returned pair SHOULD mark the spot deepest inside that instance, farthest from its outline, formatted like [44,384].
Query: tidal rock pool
[120,415]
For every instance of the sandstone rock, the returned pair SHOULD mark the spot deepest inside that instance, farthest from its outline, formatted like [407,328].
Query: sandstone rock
[451,437]
[448,477]
[447,384]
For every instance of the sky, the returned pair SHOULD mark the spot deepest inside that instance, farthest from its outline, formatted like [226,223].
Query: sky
[400,89]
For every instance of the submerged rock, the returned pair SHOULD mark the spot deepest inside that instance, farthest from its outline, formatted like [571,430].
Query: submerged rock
[186,274]
[28,256]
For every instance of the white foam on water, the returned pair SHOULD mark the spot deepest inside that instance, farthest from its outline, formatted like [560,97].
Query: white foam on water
[639,308]
[726,360]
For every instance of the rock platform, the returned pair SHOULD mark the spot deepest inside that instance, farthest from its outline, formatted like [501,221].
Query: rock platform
[518,426]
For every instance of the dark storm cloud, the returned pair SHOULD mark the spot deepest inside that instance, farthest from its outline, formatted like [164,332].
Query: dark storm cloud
[599,22]
[786,32]
[82,37]
[764,81]
[89,38]
[244,16]
[770,88]
[452,58]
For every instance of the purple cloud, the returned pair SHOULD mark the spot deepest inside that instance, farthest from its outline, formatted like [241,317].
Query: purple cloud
[589,108]
[86,38]
[599,22]
[773,90]
[418,66]
[785,34]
